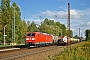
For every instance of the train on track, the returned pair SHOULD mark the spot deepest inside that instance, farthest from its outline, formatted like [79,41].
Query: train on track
[37,39]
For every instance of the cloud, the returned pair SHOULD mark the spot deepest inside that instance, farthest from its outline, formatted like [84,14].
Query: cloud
[85,24]
[48,13]
[37,16]
[75,14]
[38,21]
[78,18]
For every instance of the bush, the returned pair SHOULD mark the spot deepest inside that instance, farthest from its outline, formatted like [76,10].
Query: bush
[78,52]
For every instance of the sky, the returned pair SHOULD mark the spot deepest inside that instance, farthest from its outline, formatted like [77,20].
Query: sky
[38,10]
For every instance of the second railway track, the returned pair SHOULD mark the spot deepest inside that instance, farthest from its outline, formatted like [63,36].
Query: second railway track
[27,52]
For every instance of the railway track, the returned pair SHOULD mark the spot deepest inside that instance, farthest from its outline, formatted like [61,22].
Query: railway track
[26,52]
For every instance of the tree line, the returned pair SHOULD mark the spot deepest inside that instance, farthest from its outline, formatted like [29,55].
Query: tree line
[7,16]
[7,12]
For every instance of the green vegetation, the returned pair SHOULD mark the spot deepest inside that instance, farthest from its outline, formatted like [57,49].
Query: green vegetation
[7,12]
[78,52]
[87,34]
[8,45]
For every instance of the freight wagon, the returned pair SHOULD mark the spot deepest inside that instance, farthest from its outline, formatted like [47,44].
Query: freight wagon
[63,40]
[67,40]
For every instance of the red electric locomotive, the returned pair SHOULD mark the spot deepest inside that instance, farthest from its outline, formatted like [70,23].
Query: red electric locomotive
[38,39]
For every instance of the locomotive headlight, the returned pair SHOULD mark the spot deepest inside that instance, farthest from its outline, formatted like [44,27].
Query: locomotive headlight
[33,38]
[27,38]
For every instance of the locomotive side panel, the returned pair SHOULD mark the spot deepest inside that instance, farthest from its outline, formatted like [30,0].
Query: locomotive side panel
[50,39]
[42,39]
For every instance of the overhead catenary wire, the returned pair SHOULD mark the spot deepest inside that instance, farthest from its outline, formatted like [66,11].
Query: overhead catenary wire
[32,11]
[26,9]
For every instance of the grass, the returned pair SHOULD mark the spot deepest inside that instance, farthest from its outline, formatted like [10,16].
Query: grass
[79,52]
[7,45]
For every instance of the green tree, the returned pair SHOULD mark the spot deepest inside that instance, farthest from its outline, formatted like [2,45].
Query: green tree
[28,24]
[62,28]
[32,27]
[0,25]
[49,22]
[51,27]
[44,28]
[23,29]
[6,18]
[87,34]
[71,33]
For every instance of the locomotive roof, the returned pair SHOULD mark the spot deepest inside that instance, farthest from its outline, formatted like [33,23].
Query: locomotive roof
[39,33]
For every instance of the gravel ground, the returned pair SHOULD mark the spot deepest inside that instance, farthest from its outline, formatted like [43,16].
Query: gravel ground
[38,56]
[43,55]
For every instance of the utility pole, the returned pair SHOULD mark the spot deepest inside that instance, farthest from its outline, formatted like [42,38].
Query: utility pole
[13,26]
[68,25]
[79,32]
[58,31]
[12,32]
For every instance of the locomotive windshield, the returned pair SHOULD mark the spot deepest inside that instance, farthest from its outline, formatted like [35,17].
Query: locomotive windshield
[31,34]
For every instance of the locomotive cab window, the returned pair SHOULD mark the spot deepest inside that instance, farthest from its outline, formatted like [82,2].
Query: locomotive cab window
[31,34]
[28,34]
